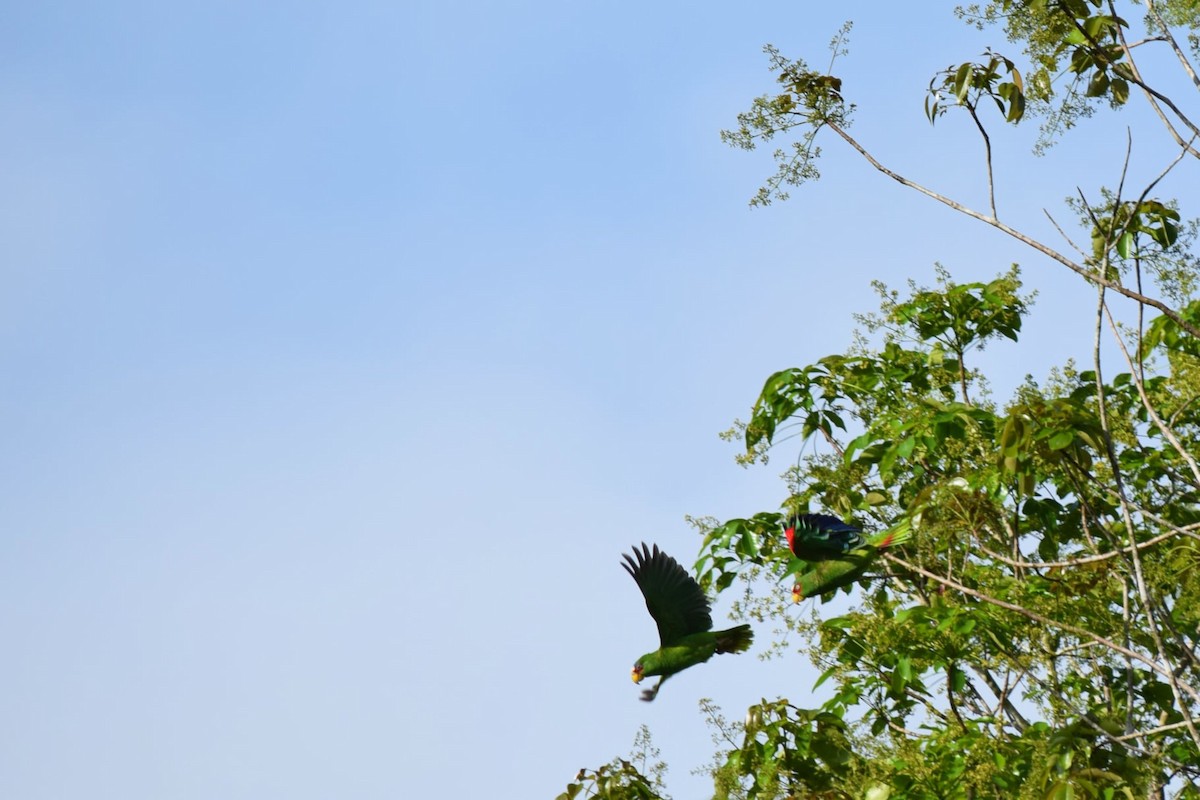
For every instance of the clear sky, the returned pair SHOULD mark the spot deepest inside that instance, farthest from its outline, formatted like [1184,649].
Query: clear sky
[345,347]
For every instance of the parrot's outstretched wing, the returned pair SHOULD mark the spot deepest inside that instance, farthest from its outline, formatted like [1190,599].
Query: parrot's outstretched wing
[673,597]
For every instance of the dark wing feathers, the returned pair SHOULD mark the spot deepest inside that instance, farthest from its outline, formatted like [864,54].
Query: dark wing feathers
[819,536]
[672,596]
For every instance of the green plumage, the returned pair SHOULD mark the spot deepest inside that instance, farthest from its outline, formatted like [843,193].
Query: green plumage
[682,614]
[833,573]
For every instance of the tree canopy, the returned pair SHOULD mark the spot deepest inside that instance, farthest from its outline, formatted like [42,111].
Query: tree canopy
[1037,637]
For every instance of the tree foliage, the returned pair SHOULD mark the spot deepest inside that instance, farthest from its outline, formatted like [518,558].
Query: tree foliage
[1039,637]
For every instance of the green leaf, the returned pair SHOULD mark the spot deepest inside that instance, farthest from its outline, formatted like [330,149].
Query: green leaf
[826,675]
[962,81]
[1098,85]
[1167,234]
[1125,244]
[1120,91]
[1061,439]
[1060,790]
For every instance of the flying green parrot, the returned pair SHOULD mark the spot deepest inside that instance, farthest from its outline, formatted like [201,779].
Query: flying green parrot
[837,552]
[681,612]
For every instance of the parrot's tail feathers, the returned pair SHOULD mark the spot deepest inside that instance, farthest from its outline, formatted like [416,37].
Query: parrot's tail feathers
[897,534]
[735,640]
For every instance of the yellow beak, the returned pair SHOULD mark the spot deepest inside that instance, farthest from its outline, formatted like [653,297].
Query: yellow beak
[636,675]
[797,596]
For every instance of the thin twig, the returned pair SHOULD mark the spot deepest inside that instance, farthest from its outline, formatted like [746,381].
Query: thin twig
[1135,76]
[1036,617]
[1140,385]
[1021,237]
[1063,233]
[1170,39]
[987,149]
[1075,562]
[1160,729]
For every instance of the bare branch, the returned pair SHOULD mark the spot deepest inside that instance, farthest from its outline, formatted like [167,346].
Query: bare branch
[1154,98]
[1168,37]
[987,154]
[1079,269]
[1075,562]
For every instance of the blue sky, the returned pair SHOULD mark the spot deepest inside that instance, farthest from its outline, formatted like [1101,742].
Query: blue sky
[344,349]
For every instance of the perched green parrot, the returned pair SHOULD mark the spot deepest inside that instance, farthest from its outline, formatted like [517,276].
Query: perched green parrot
[681,612]
[837,553]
